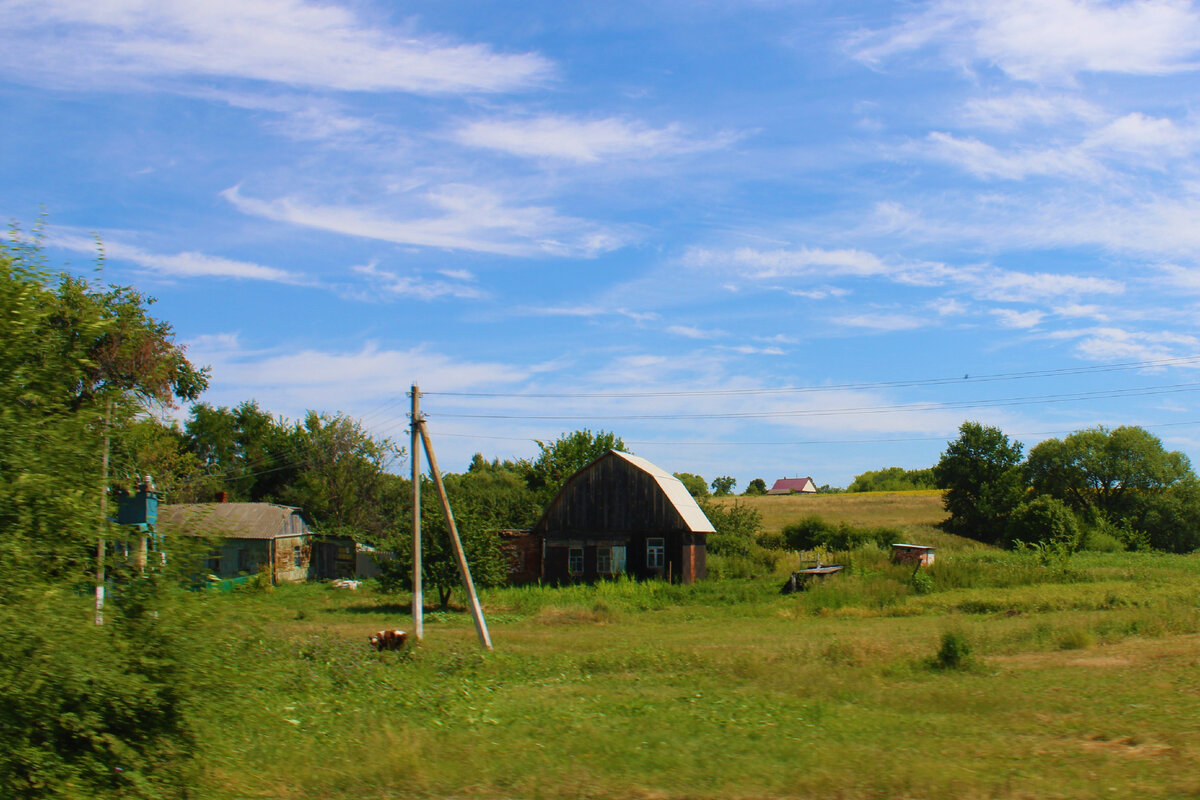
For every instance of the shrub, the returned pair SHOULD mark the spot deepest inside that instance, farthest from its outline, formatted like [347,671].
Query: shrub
[954,652]
[812,533]
[1044,520]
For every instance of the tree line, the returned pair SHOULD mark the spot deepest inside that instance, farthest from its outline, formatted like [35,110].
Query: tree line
[1100,487]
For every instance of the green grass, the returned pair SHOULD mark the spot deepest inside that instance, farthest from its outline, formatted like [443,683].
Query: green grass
[1080,683]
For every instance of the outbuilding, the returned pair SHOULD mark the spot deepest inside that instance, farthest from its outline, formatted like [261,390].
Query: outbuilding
[622,515]
[250,537]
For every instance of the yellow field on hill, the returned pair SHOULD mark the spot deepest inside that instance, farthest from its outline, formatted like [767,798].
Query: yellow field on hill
[915,512]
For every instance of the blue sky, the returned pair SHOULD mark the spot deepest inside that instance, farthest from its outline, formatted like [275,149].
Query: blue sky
[760,239]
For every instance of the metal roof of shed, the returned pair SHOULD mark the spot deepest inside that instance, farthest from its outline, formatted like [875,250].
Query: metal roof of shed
[675,491]
[232,520]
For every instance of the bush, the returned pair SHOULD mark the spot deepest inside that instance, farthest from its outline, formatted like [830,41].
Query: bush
[954,652]
[812,533]
[1044,520]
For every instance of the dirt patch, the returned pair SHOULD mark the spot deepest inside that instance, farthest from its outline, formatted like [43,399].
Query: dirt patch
[1127,746]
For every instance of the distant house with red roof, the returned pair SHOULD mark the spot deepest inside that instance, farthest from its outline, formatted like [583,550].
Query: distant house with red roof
[792,486]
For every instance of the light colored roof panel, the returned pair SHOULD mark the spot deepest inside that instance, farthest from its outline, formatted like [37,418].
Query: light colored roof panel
[231,520]
[675,491]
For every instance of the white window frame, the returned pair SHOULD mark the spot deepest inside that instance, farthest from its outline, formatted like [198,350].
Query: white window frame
[571,560]
[604,560]
[656,552]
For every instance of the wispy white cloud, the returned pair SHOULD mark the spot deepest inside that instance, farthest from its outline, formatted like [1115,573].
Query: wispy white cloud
[587,310]
[294,42]
[1015,111]
[580,140]
[1117,344]
[779,263]
[289,382]
[387,283]
[882,321]
[987,161]
[1131,141]
[465,218]
[1021,320]
[178,265]
[690,332]
[982,282]
[1039,40]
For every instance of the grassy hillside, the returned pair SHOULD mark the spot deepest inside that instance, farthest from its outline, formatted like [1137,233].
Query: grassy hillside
[1079,685]
[1075,681]
[916,513]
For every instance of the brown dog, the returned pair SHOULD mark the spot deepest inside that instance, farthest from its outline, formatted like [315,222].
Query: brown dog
[388,640]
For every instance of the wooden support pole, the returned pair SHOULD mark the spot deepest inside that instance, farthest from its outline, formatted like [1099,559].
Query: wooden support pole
[456,543]
[418,598]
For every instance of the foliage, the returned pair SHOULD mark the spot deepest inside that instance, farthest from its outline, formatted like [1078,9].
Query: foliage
[954,651]
[482,502]
[723,486]
[696,485]
[89,711]
[813,532]
[1111,471]
[756,487]
[559,460]
[1045,520]
[251,454]
[734,550]
[980,473]
[341,475]
[893,479]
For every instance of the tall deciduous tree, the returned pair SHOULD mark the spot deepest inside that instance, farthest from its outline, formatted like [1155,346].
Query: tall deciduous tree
[89,711]
[980,473]
[566,455]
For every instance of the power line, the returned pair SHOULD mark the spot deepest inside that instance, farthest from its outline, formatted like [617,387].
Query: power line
[800,442]
[887,409]
[987,378]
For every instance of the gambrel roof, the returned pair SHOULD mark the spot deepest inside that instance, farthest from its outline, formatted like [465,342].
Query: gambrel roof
[623,492]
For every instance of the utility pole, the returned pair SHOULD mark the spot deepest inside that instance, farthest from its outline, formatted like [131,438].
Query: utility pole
[456,543]
[418,599]
[100,540]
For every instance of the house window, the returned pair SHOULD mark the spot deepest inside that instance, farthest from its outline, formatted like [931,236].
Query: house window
[296,556]
[604,560]
[575,560]
[656,553]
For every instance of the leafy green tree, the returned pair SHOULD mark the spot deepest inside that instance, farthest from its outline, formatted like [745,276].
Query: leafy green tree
[696,486]
[252,454]
[756,487]
[1108,470]
[737,528]
[981,475]
[559,460]
[1123,479]
[483,503]
[89,711]
[723,486]
[340,475]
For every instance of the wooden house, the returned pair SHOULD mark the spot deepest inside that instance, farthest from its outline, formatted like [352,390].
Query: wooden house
[622,515]
[793,486]
[250,537]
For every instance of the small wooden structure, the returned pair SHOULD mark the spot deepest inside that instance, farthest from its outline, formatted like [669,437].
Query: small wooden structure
[801,579]
[917,554]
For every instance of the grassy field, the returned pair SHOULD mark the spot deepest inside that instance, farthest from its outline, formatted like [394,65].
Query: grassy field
[916,513]
[1081,682]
